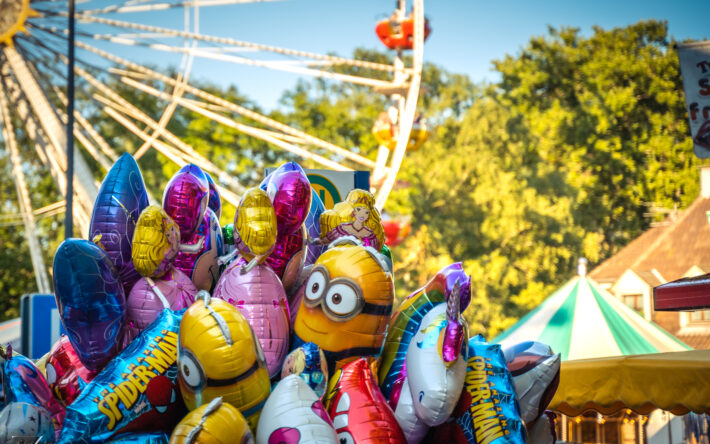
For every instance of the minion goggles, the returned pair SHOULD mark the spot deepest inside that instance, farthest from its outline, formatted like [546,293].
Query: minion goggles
[341,298]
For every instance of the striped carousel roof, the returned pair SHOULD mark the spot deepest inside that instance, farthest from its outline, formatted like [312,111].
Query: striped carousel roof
[581,320]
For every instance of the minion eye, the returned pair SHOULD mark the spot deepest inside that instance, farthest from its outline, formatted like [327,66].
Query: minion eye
[190,371]
[51,374]
[315,285]
[341,299]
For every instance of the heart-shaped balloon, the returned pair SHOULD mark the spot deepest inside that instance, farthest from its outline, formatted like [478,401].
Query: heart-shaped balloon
[290,193]
[186,199]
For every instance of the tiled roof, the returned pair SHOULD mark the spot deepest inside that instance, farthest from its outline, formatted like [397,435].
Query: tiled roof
[697,341]
[671,248]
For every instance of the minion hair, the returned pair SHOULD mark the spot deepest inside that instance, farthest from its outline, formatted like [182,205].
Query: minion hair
[379,259]
[345,240]
[205,297]
[213,406]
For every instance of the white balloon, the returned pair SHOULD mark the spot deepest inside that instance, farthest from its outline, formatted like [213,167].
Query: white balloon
[414,428]
[435,388]
[532,385]
[289,410]
[540,431]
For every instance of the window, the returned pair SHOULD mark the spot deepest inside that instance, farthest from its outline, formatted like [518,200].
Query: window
[634,301]
[700,315]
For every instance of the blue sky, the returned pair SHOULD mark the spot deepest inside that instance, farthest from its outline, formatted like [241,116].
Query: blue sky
[466,35]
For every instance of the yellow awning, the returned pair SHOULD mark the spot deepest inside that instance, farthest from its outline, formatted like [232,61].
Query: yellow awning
[678,382]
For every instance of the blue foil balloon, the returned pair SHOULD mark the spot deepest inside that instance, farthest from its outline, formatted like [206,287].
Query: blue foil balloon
[137,391]
[91,301]
[120,200]
[141,438]
[24,382]
[312,224]
[215,202]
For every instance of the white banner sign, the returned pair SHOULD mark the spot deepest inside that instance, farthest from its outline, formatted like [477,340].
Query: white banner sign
[695,68]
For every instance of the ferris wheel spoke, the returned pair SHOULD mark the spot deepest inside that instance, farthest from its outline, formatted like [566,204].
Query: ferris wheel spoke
[314,141]
[238,43]
[84,182]
[246,129]
[281,65]
[116,101]
[173,154]
[23,195]
[166,5]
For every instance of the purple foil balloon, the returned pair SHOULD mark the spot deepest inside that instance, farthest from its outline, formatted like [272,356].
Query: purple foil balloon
[260,297]
[186,198]
[91,302]
[215,202]
[144,304]
[287,258]
[312,224]
[201,265]
[290,193]
[120,200]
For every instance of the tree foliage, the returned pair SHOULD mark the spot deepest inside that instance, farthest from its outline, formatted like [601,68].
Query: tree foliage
[557,160]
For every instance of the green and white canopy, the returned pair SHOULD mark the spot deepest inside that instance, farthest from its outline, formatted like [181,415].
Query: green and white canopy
[581,320]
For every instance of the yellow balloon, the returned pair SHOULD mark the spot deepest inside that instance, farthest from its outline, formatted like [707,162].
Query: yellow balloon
[215,423]
[255,222]
[155,242]
[346,304]
[220,356]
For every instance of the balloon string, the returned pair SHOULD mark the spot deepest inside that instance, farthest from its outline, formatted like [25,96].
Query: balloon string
[158,293]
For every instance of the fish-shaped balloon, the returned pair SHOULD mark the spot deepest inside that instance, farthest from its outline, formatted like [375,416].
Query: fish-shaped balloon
[260,297]
[359,412]
[118,204]
[91,302]
[293,413]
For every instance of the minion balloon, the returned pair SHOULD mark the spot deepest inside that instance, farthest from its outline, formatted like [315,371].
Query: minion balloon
[346,304]
[219,355]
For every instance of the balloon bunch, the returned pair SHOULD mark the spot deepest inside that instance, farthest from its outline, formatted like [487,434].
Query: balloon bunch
[298,341]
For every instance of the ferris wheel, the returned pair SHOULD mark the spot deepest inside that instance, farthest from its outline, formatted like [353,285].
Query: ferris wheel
[33,42]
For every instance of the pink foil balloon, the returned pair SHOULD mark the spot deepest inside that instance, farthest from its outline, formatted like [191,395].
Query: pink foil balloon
[66,375]
[186,198]
[260,297]
[201,264]
[287,259]
[290,193]
[144,305]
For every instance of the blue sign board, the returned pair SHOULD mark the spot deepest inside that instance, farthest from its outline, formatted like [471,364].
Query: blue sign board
[41,326]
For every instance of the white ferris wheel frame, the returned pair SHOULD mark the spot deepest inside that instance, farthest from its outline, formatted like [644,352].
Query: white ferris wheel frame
[21,89]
